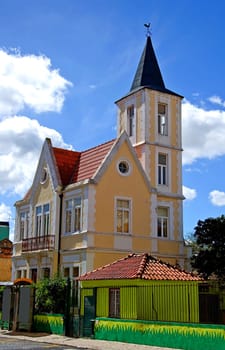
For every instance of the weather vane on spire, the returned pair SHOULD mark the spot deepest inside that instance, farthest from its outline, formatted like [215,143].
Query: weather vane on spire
[147,26]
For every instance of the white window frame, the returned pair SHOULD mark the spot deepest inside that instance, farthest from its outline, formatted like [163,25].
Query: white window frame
[162,170]
[73,213]
[131,120]
[24,222]
[163,120]
[114,302]
[42,220]
[163,222]
[124,211]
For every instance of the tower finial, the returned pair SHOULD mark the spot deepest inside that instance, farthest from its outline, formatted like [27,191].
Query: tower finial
[147,26]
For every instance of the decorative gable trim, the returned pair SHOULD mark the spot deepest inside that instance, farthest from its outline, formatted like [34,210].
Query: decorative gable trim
[109,157]
[46,160]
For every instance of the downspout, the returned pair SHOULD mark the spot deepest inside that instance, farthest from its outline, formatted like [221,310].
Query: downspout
[60,231]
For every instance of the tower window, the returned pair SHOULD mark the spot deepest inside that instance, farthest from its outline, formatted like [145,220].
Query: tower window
[162,221]
[162,119]
[162,169]
[130,120]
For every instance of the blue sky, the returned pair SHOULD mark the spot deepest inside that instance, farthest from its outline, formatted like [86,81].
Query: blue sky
[64,63]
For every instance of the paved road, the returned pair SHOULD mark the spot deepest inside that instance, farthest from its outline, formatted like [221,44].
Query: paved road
[7,343]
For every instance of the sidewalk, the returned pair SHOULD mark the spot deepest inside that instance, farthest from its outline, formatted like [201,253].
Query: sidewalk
[82,343]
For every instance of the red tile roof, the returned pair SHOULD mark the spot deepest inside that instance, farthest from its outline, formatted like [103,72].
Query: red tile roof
[66,162]
[78,166]
[139,266]
[90,160]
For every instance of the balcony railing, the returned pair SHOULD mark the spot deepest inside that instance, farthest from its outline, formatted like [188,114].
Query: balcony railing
[38,243]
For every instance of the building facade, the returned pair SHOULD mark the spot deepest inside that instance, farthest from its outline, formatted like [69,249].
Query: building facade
[90,208]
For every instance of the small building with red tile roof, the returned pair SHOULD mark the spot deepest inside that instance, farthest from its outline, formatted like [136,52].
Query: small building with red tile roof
[140,287]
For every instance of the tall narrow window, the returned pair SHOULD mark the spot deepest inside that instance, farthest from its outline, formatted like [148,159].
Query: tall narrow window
[34,275]
[46,215]
[73,215]
[123,215]
[162,169]
[114,302]
[77,214]
[130,120]
[38,220]
[162,119]
[42,221]
[163,219]
[24,224]
[69,208]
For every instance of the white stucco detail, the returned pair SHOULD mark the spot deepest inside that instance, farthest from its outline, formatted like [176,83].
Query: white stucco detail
[122,242]
[20,263]
[153,210]
[154,246]
[90,208]
[33,262]
[74,258]
[45,260]
[147,114]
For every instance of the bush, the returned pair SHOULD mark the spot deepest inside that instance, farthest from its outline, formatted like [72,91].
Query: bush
[50,295]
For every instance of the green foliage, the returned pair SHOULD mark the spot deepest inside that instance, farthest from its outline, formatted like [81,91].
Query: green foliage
[50,295]
[209,257]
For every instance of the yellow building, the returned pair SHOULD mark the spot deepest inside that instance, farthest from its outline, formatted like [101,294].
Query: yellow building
[86,209]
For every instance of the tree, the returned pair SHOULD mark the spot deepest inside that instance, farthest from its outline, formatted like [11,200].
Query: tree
[50,295]
[209,257]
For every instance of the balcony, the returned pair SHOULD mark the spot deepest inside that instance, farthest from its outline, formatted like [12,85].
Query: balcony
[38,243]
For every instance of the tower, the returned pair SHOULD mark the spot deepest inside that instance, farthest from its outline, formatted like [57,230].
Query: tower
[151,115]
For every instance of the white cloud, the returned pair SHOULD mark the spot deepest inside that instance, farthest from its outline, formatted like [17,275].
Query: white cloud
[26,81]
[21,140]
[217,198]
[29,82]
[217,100]
[5,212]
[203,133]
[189,193]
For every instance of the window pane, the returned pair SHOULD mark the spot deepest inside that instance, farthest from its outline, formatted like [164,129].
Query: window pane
[119,220]
[22,225]
[162,159]
[69,205]
[165,227]
[46,208]
[126,221]
[161,108]
[162,221]
[130,120]
[114,302]
[66,272]
[75,271]
[77,214]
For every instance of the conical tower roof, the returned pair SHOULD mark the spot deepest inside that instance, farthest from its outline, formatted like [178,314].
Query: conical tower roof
[148,72]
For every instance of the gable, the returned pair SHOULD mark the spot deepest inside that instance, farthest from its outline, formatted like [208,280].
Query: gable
[122,150]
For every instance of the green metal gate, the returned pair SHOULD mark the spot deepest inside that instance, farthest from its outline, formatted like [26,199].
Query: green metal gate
[89,315]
